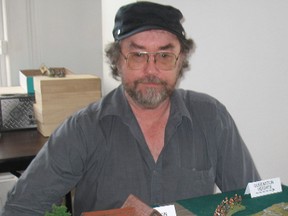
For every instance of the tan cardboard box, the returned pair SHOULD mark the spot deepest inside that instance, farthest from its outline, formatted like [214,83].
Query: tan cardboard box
[58,98]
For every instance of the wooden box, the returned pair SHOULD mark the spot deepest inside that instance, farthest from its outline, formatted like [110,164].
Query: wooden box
[26,78]
[112,212]
[58,98]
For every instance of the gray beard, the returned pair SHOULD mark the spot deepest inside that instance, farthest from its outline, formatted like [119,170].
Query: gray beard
[152,97]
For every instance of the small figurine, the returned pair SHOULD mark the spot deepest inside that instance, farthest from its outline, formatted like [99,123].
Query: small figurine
[52,72]
[229,206]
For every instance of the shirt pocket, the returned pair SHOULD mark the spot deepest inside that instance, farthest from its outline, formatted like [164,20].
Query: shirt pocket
[197,174]
[195,183]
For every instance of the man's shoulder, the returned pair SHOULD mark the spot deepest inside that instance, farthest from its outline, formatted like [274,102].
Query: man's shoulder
[200,104]
[107,105]
[197,97]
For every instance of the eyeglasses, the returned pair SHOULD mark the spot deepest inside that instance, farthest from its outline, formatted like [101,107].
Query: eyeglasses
[162,60]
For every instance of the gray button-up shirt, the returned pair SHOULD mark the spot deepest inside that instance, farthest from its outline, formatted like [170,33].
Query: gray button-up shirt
[102,152]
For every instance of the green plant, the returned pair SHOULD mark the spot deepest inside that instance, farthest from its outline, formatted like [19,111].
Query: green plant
[58,211]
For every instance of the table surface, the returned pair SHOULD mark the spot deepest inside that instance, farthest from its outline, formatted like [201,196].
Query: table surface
[206,205]
[18,148]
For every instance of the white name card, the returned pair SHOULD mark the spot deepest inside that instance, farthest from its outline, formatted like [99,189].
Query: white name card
[264,187]
[167,210]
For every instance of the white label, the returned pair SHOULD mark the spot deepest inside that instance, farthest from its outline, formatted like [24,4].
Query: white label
[168,210]
[264,187]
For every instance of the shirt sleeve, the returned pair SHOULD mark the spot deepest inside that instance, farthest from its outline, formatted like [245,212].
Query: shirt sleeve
[51,175]
[235,167]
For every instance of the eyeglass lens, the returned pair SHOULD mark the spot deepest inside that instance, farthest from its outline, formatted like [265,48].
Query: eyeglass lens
[163,60]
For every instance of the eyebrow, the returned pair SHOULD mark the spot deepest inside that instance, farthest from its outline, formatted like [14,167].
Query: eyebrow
[137,46]
[168,46]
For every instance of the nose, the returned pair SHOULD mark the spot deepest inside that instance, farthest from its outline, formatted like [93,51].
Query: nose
[151,56]
[151,64]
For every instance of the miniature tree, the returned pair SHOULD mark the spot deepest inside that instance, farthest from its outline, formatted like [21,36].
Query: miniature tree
[58,211]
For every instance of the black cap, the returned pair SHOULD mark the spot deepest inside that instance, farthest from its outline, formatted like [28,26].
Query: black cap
[141,16]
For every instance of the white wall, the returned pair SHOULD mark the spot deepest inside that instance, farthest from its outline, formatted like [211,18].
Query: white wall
[58,33]
[109,9]
[241,59]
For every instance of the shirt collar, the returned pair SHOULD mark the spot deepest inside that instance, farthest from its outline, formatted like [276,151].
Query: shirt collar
[115,104]
[178,104]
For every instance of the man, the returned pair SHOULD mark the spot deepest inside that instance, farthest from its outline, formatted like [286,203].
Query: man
[144,138]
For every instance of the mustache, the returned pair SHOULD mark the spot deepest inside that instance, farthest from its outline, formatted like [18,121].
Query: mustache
[150,79]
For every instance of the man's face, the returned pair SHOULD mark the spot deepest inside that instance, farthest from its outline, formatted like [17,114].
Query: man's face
[150,83]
